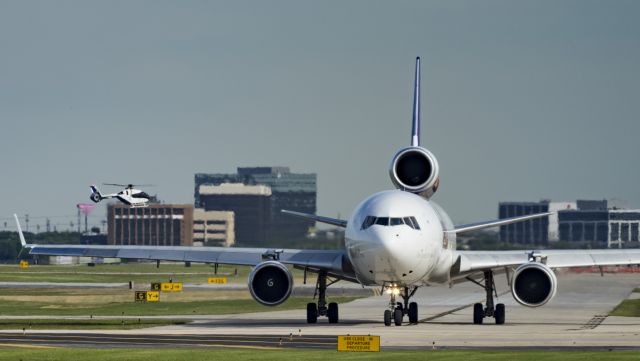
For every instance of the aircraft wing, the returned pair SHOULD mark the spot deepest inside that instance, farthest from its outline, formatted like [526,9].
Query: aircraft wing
[321,219]
[335,262]
[473,261]
[498,222]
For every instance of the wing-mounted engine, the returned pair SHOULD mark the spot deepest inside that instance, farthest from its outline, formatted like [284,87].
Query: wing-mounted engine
[270,283]
[533,284]
[415,170]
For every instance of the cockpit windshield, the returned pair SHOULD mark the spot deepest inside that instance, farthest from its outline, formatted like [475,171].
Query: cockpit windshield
[390,221]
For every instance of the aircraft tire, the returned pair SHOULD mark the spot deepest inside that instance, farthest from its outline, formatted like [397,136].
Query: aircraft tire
[397,317]
[499,314]
[312,313]
[332,312]
[413,312]
[387,317]
[478,314]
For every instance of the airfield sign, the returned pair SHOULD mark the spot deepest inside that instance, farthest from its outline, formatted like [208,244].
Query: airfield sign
[356,343]
[147,296]
[217,280]
[171,286]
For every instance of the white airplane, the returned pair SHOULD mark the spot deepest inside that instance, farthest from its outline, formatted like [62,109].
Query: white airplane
[398,239]
[129,195]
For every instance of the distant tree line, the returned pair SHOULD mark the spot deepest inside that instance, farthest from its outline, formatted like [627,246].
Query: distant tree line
[10,243]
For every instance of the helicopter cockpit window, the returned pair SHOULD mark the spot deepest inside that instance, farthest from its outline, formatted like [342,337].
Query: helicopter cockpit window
[140,195]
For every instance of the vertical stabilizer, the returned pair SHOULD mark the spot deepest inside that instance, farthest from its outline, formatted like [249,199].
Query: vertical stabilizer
[415,131]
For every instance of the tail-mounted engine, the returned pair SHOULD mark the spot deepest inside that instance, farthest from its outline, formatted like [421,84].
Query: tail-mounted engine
[533,284]
[415,170]
[270,283]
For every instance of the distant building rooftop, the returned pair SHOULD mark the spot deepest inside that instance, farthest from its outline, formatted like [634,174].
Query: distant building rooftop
[235,189]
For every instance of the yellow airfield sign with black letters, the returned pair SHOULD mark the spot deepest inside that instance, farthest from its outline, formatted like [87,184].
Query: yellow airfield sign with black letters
[171,286]
[24,264]
[359,343]
[217,280]
[153,296]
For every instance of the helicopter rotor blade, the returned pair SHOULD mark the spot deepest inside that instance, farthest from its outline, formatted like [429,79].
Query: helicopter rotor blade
[128,185]
[114,184]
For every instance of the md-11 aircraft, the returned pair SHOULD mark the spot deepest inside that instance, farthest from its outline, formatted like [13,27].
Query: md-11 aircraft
[399,240]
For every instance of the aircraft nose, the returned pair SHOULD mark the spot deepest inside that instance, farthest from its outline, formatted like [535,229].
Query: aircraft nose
[393,243]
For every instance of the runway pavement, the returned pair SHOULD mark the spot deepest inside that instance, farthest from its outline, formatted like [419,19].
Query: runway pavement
[577,317]
[110,340]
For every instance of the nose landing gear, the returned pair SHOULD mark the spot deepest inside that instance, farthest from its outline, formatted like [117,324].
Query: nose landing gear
[397,310]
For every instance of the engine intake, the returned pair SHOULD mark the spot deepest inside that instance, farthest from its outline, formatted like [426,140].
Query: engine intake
[415,170]
[270,283]
[533,284]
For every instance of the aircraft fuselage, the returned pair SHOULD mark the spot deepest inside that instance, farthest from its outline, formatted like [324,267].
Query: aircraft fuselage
[386,246]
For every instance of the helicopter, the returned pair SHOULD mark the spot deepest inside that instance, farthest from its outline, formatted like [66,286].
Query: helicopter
[129,195]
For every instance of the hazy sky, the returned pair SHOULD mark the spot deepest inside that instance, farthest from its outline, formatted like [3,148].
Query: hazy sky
[521,100]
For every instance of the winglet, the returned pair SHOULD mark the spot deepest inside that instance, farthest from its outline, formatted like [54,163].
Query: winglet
[22,240]
[415,131]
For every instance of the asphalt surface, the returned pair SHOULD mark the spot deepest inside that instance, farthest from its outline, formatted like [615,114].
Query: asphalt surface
[104,340]
[576,318]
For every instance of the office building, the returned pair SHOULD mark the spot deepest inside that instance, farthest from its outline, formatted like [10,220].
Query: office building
[155,225]
[535,231]
[213,228]
[598,223]
[263,221]
[250,204]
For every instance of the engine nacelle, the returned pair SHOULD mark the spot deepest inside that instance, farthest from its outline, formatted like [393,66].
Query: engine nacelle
[270,283]
[415,170]
[533,284]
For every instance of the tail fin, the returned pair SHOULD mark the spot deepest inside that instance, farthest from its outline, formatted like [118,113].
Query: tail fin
[95,190]
[20,234]
[95,194]
[415,131]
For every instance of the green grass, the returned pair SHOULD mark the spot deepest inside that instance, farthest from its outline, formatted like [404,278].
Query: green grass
[84,324]
[140,273]
[627,308]
[636,290]
[55,354]
[208,307]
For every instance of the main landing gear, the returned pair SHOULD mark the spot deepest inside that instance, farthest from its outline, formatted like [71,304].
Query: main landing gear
[397,310]
[479,313]
[321,308]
